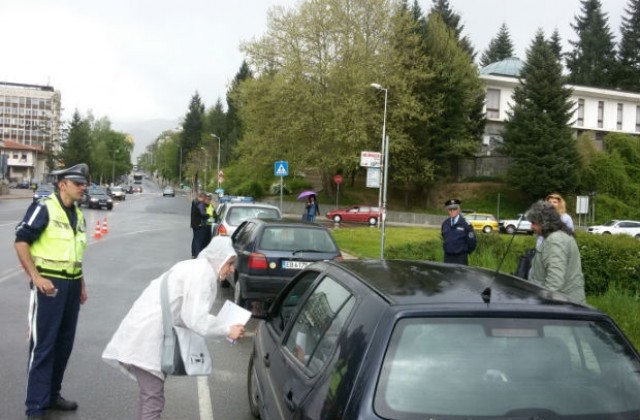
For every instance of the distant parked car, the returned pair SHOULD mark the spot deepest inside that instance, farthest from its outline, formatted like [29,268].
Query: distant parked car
[615,227]
[168,192]
[389,339]
[485,222]
[359,213]
[230,215]
[520,224]
[271,252]
[43,190]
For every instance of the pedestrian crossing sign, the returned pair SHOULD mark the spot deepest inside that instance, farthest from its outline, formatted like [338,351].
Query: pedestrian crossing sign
[281,168]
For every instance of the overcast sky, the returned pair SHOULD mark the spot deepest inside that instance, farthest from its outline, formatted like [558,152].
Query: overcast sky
[134,60]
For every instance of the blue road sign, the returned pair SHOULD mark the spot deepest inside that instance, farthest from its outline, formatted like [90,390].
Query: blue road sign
[281,168]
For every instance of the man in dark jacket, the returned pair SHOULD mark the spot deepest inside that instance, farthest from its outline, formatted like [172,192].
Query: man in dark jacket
[198,224]
[458,237]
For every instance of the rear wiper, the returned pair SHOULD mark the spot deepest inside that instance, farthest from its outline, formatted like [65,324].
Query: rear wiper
[304,250]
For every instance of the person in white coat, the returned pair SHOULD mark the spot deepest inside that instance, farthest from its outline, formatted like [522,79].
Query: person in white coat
[136,345]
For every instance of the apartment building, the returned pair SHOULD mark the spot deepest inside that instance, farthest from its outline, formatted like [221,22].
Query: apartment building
[597,111]
[29,121]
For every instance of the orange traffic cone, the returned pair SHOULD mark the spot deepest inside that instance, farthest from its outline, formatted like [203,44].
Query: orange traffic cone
[105,229]
[98,233]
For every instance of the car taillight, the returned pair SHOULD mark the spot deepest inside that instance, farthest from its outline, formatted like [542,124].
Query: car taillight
[222,231]
[257,261]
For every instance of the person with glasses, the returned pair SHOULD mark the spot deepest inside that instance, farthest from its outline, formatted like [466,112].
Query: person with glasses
[458,237]
[50,243]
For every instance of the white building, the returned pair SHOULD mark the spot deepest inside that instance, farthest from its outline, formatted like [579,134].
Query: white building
[597,111]
[30,125]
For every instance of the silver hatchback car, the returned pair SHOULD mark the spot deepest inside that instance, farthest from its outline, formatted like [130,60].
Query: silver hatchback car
[231,215]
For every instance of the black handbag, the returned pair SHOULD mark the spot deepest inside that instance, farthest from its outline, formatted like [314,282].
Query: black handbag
[524,263]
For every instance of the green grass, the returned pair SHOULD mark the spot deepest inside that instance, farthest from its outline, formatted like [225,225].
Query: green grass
[420,243]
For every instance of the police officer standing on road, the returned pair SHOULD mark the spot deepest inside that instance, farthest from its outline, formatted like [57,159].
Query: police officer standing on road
[458,237]
[50,243]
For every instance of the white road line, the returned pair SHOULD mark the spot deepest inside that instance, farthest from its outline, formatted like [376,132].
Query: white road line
[204,398]
[7,274]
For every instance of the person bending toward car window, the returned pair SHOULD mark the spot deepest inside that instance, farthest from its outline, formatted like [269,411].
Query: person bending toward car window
[556,264]
[458,238]
[136,346]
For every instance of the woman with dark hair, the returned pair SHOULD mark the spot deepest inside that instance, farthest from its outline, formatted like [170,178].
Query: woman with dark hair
[556,264]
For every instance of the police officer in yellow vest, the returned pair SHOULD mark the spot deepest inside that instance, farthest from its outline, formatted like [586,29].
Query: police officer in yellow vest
[50,242]
[210,218]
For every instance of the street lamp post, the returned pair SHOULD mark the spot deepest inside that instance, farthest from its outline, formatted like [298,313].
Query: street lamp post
[382,196]
[218,171]
[206,166]
[113,168]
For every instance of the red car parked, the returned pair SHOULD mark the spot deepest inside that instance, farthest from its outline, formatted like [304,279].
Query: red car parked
[365,214]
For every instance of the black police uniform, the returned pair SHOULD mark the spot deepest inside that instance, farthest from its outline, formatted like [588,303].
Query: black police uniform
[458,237]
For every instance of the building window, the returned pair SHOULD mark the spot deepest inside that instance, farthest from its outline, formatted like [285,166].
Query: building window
[637,118]
[493,104]
[619,118]
[600,114]
[580,112]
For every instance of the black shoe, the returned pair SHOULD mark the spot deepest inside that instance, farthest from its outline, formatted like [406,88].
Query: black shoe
[60,404]
[36,417]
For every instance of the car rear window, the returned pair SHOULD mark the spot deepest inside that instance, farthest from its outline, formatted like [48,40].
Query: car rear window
[507,368]
[238,215]
[297,238]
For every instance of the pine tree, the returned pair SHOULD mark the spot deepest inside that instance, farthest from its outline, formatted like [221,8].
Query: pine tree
[593,59]
[556,44]
[629,54]
[499,48]
[234,127]
[537,134]
[78,145]
[452,20]
[191,136]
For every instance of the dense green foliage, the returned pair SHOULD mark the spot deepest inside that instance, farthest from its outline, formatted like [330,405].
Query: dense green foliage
[94,142]
[629,49]
[537,135]
[499,47]
[592,62]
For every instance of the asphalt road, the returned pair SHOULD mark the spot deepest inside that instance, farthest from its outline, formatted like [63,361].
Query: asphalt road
[148,233]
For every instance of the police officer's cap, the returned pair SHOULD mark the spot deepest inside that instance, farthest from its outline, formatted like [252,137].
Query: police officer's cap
[77,173]
[453,203]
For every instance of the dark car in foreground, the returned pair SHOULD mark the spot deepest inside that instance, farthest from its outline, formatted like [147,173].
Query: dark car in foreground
[271,252]
[388,339]
[360,214]
[43,190]
[97,197]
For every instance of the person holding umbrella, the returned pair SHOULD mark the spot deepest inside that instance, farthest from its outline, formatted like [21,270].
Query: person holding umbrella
[311,209]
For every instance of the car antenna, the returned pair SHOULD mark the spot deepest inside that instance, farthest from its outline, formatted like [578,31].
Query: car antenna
[486,293]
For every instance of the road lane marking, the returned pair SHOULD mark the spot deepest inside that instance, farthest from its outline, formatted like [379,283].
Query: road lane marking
[12,272]
[204,398]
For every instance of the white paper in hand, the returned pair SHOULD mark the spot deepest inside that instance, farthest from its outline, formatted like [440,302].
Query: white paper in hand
[232,314]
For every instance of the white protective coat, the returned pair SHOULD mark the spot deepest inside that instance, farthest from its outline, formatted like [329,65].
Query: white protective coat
[193,286]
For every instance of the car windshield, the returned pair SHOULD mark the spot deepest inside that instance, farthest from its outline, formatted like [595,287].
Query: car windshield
[297,238]
[45,188]
[238,215]
[116,189]
[507,368]
[610,223]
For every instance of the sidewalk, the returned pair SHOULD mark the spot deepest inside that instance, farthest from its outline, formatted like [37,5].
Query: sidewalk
[17,193]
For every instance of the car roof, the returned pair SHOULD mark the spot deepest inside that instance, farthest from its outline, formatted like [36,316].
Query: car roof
[404,282]
[239,204]
[286,222]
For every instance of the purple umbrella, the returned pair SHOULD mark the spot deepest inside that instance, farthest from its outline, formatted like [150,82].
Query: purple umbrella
[305,194]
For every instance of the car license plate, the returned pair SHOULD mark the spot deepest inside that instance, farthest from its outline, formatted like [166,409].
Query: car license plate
[294,264]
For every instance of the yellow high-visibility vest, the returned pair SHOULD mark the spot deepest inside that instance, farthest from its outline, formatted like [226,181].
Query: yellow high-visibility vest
[58,251]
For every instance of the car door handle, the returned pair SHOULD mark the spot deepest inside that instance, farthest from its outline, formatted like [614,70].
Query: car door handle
[291,405]
[266,360]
